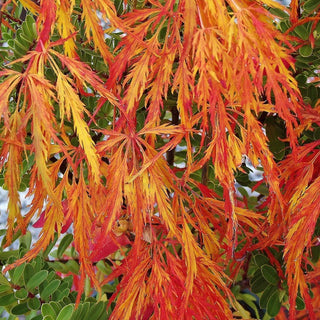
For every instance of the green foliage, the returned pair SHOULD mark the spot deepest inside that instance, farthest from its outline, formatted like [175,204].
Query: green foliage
[36,290]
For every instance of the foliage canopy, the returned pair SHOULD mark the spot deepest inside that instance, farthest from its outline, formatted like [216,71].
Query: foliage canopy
[139,123]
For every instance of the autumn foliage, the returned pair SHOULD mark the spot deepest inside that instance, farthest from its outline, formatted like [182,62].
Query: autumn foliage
[134,122]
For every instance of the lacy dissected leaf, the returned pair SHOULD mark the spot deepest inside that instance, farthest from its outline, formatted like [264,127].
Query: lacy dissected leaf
[83,216]
[302,215]
[13,147]
[45,22]
[93,26]
[65,26]
[85,75]
[224,69]
[210,68]
[155,280]
[54,218]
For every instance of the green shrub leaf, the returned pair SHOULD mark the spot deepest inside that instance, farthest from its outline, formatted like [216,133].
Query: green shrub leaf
[20,309]
[50,289]
[37,279]
[273,305]
[48,310]
[66,312]
[270,274]
[64,244]
[34,304]
[21,294]
[7,299]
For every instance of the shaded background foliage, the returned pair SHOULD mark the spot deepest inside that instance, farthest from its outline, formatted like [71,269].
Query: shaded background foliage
[142,134]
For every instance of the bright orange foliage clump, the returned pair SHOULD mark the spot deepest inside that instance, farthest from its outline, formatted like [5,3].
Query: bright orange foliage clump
[226,63]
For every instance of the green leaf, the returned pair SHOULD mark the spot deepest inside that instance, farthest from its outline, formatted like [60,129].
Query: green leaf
[5,255]
[270,274]
[34,304]
[5,288]
[313,94]
[98,309]
[273,305]
[278,12]
[36,279]
[306,51]
[82,311]
[302,79]
[66,300]
[28,273]
[26,239]
[104,267]
[56,306]
[48,310]
[68,281]
[50,246]
[267,293]
[18,271]
[20,309]
[300,303]
[7,299]
[50,289]
[64,293]
[260,259]
[311,5]
[72,266]
[315,250]
[302,32]
[64,244]
[37,263]
[276,131]
[4,280]
[55,295]
[58,266]
[259,284]
[66,312]
[21,294]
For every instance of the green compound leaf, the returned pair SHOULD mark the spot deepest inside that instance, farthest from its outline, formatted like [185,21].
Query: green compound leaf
[98,310]
[260,260]
[311,5]
[5,288]
[270,274]
[302,32]
[37,279]
[28,272]
[7,299]
[50,289]
[300,303]
[259,284]
[66,312]
[48,310]
[81,312]
[274,304]
[267,293]
[18,271]
[34,304]
[20,309]
[21,294]
[64,244]
[306,51]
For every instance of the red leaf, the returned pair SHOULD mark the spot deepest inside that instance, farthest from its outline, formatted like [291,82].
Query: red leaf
[147,313]
[103,245]
[40,222]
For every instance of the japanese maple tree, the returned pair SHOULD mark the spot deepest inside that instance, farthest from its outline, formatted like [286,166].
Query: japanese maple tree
[138,124]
